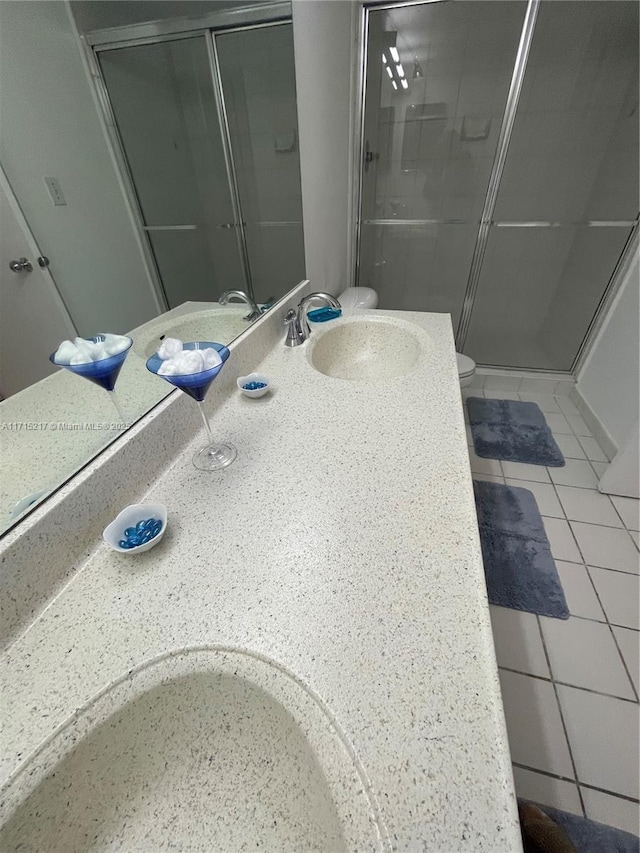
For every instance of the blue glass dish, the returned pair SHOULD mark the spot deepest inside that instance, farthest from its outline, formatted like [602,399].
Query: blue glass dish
[103,372]
[212,456]
[195,385]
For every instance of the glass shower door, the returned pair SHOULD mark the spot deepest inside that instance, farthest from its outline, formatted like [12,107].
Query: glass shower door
[163,99]
[511,217]
[568,196]
[437,79]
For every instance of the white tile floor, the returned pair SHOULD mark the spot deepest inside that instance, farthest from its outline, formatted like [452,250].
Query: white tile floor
[570,687]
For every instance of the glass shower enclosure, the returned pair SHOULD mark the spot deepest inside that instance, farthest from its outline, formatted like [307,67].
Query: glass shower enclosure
[499,178]
[207,127]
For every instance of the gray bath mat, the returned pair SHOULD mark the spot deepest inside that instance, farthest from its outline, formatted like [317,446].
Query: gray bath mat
[518,566]
[513,431]
[591,837]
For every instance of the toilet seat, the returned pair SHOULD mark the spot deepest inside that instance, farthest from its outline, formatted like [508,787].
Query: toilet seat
[466,365]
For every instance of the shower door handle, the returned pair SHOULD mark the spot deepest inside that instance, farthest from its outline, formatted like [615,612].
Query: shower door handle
[229,226]
[369,156]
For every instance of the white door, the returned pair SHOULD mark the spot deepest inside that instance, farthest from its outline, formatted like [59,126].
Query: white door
[33,318]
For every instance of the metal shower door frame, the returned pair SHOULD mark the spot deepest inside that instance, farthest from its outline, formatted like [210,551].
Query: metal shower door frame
[232,180]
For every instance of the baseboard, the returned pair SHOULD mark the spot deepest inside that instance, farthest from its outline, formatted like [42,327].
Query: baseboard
[527,381]
[600,433]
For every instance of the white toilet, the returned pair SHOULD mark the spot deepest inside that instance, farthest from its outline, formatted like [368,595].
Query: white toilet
[466,369]
[358,297]
[354,298]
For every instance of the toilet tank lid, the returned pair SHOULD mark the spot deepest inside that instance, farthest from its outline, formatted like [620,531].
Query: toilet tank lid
[358,297]
[466,365]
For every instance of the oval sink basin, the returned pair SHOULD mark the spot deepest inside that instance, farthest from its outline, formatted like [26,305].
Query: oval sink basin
[211,751]
[221,325]
[366,350]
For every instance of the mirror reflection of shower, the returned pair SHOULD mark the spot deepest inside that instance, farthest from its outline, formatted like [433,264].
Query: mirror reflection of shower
[208,128]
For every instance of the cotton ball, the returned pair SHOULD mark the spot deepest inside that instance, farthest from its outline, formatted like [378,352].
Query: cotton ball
[190,361]
[182,363]
[99,352]
[65,352]
[211,358]
[114,344]
[169,347]
[121,344]
[167,368]
[79,358]
[84,348]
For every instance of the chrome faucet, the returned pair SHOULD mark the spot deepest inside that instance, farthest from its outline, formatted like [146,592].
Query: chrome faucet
[298,326]
[294,335]
[228,295]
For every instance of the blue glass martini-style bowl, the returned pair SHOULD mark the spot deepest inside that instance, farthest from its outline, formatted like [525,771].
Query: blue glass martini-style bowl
[103,372]
[213,455]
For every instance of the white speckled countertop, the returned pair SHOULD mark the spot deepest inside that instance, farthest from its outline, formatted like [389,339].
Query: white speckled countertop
[342,544]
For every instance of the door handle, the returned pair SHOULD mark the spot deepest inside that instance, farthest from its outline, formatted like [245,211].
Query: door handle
[228,226]
[369,156]
[22,265]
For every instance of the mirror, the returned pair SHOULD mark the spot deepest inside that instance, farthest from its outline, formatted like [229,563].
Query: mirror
[150,164]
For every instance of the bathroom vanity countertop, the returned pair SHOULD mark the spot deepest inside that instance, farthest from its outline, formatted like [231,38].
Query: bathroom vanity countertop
[342,543]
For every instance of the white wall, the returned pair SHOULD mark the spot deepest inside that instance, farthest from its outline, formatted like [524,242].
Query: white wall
[50,127]
[609,380]
[323,35]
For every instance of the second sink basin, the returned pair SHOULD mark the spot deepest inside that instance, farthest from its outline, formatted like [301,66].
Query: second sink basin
[212,324]
[366,349]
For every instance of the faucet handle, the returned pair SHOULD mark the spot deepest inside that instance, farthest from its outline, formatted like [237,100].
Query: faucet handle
[294,334]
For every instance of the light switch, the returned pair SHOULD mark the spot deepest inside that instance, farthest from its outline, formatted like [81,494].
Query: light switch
[55,191]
